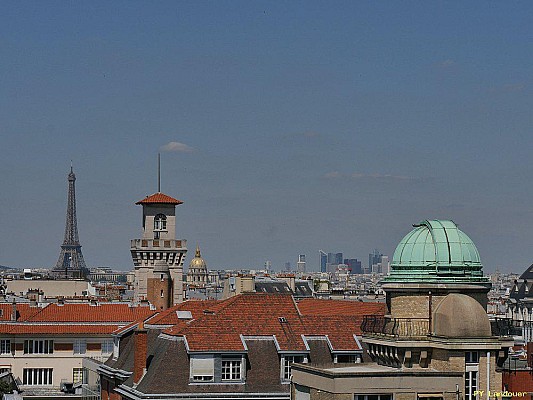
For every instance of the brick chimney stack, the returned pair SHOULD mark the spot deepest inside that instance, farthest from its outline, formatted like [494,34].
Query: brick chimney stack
[140,343]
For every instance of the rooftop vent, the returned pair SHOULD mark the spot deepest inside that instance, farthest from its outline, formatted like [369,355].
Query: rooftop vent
[282,320]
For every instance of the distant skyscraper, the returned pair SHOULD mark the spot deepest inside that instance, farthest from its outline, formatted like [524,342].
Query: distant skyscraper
[354,264]
[300,266]
[385,266]
[323,260]
[71,263]
[373,258]
[288,266]
[268,265]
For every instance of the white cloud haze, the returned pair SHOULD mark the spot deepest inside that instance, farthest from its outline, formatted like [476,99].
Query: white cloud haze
[177,147]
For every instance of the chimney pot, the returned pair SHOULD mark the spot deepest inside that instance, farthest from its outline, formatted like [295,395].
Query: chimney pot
[14,311]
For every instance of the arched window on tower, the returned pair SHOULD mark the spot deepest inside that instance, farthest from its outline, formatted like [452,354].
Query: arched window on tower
[160,224]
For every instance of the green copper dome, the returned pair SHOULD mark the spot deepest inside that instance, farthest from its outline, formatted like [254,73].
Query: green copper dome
[436,251]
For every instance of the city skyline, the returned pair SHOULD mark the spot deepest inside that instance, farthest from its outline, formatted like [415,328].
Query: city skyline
[284,128]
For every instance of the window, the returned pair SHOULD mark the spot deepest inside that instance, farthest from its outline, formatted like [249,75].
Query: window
[79,375]
[5,346]
[202,378]
[231,370]
[80,346]
[160,222]
[202,368]
[472,357]
[471,374]
[38,347]
[286,365]
[107,347]
[5,369]
[372,397]
[347,358]
[37,376]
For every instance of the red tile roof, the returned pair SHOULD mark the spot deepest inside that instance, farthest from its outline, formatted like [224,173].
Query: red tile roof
[70,318]
[340,307]
[105,313]
[196,307]
[32,329]
[159,198]
[24,311]
[259,314]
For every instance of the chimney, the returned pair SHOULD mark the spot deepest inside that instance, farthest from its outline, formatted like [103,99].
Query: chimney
[14,311]
[140,341]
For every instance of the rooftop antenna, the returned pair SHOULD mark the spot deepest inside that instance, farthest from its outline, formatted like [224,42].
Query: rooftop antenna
[158,172]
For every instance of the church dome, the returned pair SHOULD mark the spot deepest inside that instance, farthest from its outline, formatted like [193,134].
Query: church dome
[436,251]
[197,262]
[460,316]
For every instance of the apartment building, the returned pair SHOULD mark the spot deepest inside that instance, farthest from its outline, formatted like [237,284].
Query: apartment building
[242,347]
[44,346]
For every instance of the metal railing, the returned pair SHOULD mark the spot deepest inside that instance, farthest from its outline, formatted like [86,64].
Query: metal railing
[396,327]
[90,392]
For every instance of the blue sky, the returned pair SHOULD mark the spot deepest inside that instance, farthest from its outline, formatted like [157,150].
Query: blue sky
[300,126]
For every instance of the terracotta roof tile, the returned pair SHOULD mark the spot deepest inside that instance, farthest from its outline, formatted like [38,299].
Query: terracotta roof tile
[159,198]
[340,307]
[24,311]
[105,312]
[196,307]
[54,329]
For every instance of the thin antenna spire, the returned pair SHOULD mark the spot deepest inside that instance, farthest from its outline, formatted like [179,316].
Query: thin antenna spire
[158,172]
[70,166]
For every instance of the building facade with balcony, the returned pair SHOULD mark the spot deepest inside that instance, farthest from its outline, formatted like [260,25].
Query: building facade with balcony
[435,341]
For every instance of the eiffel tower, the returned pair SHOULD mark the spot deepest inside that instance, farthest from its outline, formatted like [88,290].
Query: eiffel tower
[71,263]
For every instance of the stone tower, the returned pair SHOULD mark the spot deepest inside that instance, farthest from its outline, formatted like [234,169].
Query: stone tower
[70,263]
[158,256]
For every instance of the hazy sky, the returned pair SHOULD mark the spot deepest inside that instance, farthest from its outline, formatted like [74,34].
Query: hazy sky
[285,127]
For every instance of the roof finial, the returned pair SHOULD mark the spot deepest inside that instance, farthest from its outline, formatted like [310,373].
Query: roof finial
[158,172]
[197,251]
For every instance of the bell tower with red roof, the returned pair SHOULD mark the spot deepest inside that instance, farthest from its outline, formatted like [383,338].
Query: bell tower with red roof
[158,256]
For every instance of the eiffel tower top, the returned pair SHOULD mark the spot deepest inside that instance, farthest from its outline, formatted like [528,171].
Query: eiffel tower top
[72,175]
